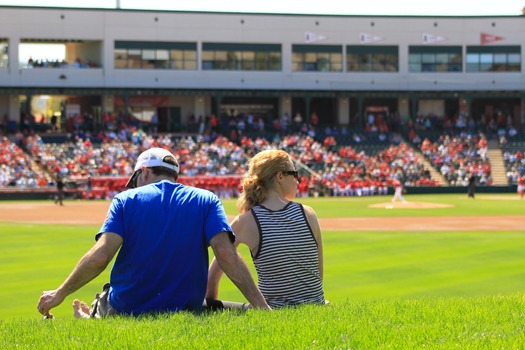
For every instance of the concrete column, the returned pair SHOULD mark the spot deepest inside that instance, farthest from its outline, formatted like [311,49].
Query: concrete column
[218,102]
[360,122]
[125,97]
[343,111]
[308,117]
[403,107]
[285,106]
[14,59]
[522,111]
[9,105]
[199,106]
[108,104]
[413,107]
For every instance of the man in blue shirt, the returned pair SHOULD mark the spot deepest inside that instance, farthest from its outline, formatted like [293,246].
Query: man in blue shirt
[163,230]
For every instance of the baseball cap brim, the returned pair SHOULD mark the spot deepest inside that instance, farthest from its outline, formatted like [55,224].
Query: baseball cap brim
[129,184]
[153,157]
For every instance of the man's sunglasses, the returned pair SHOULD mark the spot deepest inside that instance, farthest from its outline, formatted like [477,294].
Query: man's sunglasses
[294,173]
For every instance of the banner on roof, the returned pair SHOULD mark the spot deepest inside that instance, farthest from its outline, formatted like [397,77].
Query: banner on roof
[365,38]
[429,38]
[310,37]
[485,38]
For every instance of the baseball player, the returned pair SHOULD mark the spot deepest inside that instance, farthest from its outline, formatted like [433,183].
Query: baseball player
[398,191]
[521,186]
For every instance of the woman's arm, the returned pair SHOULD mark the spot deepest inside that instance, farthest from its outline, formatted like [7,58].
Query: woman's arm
[316,229]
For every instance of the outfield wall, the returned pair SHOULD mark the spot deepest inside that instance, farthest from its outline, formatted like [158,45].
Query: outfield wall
[458,189]
[48,194]
[35,194]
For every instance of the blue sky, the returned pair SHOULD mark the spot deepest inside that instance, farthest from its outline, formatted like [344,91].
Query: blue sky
[342,7]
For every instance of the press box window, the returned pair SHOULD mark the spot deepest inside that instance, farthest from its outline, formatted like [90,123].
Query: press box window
[155,55]
[372,58]
[317,58]
[435,59]
[493,59]
[243,57]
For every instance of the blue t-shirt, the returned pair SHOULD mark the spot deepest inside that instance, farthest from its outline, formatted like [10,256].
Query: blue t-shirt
[163,262]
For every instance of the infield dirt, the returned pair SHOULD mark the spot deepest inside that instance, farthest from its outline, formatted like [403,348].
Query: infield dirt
[93,213]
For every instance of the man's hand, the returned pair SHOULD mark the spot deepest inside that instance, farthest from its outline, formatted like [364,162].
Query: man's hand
[89,267]
[48,300]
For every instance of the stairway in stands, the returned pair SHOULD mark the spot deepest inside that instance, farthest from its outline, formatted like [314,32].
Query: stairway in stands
[435,175]
[497,165]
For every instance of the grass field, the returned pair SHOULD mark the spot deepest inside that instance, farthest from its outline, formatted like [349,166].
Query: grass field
[388,289]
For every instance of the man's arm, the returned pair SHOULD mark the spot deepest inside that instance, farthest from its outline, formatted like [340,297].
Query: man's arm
[235,268]
[245,228]
[214,277]
[90,266]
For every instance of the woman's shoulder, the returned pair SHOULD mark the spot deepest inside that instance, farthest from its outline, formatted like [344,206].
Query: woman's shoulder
[307,208]
[309,211]
[243,220]
[245,229]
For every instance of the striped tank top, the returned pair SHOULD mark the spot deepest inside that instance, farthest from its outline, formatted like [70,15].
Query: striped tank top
[287,262]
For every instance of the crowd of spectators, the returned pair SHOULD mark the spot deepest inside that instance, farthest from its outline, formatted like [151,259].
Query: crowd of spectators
[513,150]
[218,162]
[497,126]
[458,156]
[331,158]
[46,63]
[515,165]
[17,169]
[512,143]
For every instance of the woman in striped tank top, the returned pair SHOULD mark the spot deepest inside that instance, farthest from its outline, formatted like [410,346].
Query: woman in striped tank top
[284,236]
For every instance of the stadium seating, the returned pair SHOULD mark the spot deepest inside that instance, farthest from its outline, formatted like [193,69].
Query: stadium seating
[333,161]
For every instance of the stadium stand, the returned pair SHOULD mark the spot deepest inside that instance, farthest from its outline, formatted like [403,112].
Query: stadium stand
[513,149]
[332,161]
[457,155]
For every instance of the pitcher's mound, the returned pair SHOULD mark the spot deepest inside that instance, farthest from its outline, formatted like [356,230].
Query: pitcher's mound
[410,205]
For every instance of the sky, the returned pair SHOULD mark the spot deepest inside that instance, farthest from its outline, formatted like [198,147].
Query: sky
[334,7]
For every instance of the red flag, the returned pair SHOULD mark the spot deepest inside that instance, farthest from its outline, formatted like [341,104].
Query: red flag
[489,38]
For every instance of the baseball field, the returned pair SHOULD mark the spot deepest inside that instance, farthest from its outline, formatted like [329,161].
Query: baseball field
[433,255]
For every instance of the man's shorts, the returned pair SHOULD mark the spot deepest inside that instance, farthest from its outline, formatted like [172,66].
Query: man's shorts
[218,305]
[101,307]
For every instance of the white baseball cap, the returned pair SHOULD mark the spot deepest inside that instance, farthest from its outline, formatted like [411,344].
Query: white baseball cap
[151,158]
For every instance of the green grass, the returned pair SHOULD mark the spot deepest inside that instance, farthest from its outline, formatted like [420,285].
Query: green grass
[358,206]
[39,257]
[388,289]
[430,323]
